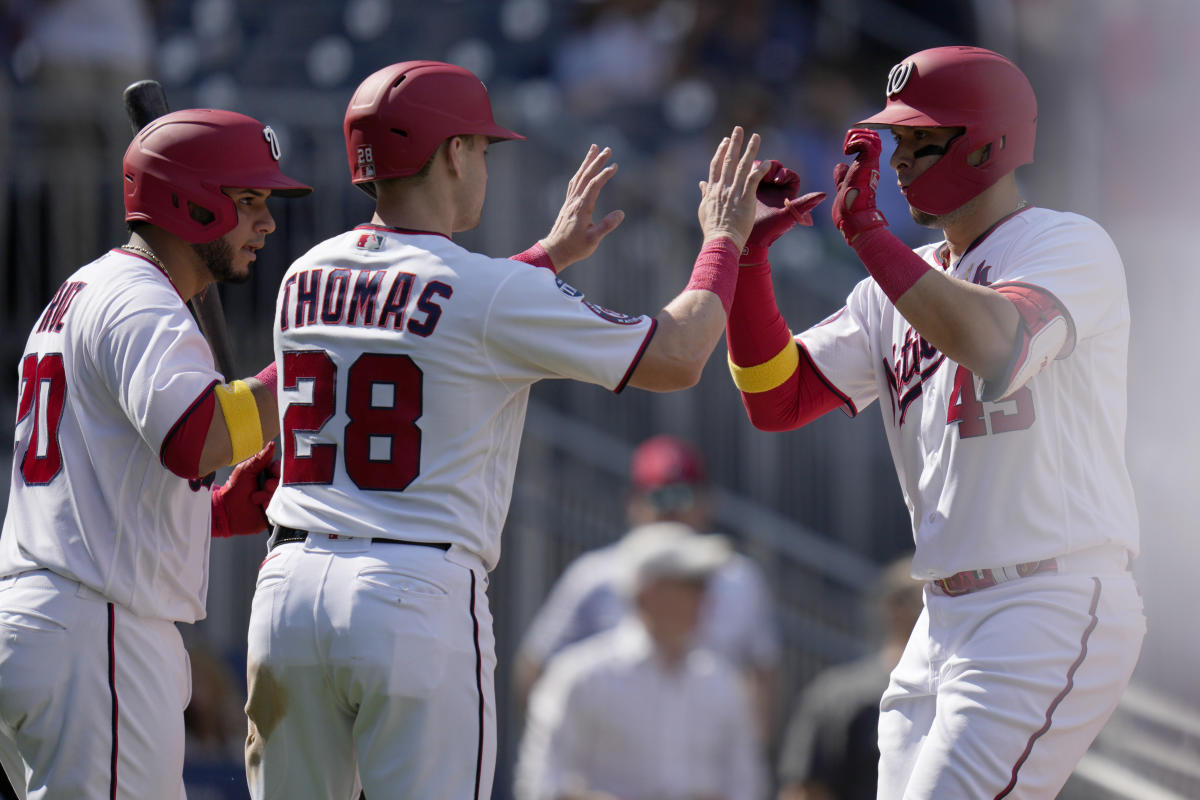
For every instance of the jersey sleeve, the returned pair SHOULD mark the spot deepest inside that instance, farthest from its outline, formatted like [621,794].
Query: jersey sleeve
[1067,284]
[538,326]
[840,348]
[153,359]
[1076,264]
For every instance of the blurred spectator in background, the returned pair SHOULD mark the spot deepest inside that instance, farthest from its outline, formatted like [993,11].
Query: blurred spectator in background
[640,711]
[830,750]
[79,55]
[669,482]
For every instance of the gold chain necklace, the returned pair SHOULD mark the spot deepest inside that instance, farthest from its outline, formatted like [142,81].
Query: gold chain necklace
[133,248]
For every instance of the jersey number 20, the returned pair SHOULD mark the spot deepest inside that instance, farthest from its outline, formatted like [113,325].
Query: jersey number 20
[43,392]
[381,442]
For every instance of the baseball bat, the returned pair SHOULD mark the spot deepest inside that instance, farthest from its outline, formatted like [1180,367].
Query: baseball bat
[145,101]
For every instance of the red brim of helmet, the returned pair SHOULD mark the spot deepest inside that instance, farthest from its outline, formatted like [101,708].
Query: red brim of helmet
[498,134]
[279,184]
[901,114]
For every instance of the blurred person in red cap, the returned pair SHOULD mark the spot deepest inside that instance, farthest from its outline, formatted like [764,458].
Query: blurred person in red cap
[668,483]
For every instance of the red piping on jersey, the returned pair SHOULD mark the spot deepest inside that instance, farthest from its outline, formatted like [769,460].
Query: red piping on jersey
[637,359]
[845,398]
[112,690]
[478,688]
[1083,642]
[157,268]
[370,226]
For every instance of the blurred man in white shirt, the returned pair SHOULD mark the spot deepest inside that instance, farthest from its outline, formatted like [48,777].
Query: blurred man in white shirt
[638,711]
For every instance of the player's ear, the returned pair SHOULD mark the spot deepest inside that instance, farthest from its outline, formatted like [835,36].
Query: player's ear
[455,151]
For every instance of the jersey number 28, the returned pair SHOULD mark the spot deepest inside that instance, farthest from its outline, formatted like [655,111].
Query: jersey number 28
[381,442]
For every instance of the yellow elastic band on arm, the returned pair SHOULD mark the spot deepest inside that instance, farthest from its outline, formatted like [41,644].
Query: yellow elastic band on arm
[769,374]
[241,417]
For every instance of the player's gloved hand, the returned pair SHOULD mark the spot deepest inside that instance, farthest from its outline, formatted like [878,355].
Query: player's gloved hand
[239,505]
[777,210]
[574,236]
[854,210]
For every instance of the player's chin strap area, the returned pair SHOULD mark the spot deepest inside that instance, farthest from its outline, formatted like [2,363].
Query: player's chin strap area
[1098,561]
[281,534]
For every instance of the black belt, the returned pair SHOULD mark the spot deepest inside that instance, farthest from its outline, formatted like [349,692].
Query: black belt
[282,535]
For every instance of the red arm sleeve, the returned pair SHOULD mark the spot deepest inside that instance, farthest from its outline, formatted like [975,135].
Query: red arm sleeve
[781,388]
[181,449]
[794,403]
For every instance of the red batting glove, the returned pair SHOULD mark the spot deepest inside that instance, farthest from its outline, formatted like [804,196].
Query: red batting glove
[858,215]
[239,505]
[777,211]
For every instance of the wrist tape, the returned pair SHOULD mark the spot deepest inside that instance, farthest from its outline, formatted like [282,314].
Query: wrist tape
[241,417]
[892,263]
[716,270]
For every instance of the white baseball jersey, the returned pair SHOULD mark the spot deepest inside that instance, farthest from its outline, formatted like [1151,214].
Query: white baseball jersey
[405,363]
[110,368]
[1037,474]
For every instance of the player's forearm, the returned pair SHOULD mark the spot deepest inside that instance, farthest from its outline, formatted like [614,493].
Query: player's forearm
[268,409]
[780,389]
[219,443]
[974,326]
[689,328]
[971,324]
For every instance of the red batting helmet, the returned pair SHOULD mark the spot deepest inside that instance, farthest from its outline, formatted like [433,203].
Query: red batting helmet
[971,88]
[182,160]
[399,115]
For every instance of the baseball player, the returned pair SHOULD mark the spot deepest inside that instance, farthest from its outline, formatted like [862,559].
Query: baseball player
[998,357]
[405,366]
[122,418]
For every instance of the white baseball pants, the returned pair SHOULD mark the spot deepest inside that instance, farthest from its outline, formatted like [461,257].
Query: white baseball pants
[91,695]
[1000,692]
[372,665]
